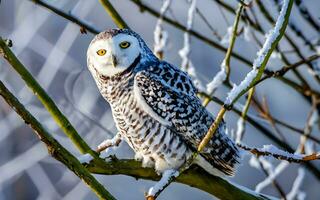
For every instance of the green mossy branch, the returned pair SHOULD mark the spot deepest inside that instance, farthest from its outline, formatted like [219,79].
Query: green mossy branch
[55,149]
[195,177]
[117,19]
[45,99]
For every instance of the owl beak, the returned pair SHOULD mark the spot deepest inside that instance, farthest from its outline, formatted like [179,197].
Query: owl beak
[114,61]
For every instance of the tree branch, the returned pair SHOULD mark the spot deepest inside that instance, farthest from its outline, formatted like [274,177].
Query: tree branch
[113,14]
[195,177]
[67,16]
[202,38]
[45,99]
[280,155]
[55,149]
[281,72]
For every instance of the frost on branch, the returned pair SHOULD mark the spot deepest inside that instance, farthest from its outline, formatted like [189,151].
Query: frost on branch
[226,39]
[236,90]
[161,36]
[186,64]
[247,33]
[273,174]
[240,130]
[295,192]
[219,78]
[185,51]
[271,37]
[270,150]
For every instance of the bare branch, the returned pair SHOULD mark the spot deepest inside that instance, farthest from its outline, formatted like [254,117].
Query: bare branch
[67,16]
[270,150]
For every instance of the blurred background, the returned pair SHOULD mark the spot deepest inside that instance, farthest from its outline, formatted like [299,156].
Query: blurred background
[54,50]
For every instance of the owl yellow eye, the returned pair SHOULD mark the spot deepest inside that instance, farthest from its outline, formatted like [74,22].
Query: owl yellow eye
[124,45]
[101,52]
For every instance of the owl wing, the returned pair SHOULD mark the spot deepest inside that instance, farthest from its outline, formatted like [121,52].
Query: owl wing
[180,109]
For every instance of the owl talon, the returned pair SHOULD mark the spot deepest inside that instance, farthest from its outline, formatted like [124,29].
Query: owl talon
[115,141]
[150,197]
[167,177]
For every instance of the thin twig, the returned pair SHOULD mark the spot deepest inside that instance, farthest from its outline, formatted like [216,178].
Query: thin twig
[264,112]
[113,14]
[308,127]
[67,16]
[223,75]
[297,158]
[290,40]
[281,72]
[259,127]
[243,116]
[206,21]
[274,182]
[306,15]
[232,42]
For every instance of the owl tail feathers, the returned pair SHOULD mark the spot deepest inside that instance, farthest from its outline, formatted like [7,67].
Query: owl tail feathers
[224,159]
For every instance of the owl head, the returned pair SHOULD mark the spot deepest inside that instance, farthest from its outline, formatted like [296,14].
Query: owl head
[116,50]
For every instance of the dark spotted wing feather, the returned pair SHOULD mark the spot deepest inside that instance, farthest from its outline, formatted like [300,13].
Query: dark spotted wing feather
[170,94]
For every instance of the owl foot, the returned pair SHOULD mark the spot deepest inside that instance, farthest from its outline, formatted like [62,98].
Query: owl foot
[165,180]
[115,141]
[150,198]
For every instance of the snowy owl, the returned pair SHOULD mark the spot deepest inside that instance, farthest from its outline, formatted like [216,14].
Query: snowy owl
[155,106]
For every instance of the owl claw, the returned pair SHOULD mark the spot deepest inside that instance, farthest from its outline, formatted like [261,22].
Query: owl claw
[115,141]
[150,197]
[166,178]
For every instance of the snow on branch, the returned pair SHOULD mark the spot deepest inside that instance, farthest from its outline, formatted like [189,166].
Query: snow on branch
[273,174]
[259,64]
[226,39]
[237,90]
[161,36]
[272,36]
[295,192]
[185,51]
[270,150]
[219,78]
[224,73]
[186,64]
[240,130]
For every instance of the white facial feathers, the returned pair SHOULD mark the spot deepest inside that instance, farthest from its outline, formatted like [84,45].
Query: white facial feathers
[124,56]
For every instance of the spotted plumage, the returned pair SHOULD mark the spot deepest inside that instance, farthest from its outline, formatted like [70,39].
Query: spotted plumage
[155,106]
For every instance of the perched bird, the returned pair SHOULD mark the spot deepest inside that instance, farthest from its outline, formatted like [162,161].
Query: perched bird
[155,106]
